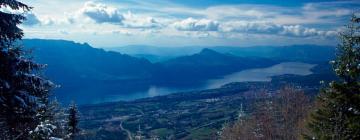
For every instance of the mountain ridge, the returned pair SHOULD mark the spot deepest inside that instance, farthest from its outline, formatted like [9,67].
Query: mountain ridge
[304,53]
[84,71]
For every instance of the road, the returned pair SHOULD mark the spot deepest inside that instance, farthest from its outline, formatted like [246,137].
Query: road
[127,131]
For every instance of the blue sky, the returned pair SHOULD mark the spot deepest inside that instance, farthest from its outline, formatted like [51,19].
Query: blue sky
[171,23]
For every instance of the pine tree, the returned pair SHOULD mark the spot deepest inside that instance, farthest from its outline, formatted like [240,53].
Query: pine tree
[73,120]
[52,123]
[23,91]
[58,118]
[338,117]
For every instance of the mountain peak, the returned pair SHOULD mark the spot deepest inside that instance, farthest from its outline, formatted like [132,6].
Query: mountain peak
[207,51]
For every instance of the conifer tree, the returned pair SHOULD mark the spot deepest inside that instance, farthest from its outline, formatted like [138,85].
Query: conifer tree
[23,91]
[73,120]
[58,118]
[338,117]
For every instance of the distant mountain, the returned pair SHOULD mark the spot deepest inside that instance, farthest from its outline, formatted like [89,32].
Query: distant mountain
[89,74]
[144,49]
[208,64]
[153,58]
[83,61]
[156,54]
[83,71]
[304,53]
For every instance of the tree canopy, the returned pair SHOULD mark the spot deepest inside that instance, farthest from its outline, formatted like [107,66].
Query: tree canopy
[338,116]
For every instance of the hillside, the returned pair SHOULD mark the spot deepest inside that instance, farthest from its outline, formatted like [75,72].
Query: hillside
[83,71]
[87,62]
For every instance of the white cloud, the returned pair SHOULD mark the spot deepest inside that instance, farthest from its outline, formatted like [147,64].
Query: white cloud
[275,29]
[101,13]
[299,31]
[137,21]
[122,32]
[191,24]
[198,34]
[64,32]
[31,20]
[46,20]
[244,11]
[167,19]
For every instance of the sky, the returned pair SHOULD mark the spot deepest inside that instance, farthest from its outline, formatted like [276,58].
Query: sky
[172,23]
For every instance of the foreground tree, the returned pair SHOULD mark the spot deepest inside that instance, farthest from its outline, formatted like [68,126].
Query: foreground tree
[58,119]
[73,120]
[338,115]
[52,123]
[23,91]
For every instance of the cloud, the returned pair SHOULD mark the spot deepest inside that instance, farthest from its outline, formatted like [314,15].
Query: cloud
[31,20]
[191,24]
[47,20]
[44,20]
[299,31]
[275,29]
[64,32]
[136,21]
[101,13]
[216,23]
[243,11]
[122,32]
[198,34]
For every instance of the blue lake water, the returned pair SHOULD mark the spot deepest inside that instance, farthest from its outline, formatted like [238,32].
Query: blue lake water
[259,74]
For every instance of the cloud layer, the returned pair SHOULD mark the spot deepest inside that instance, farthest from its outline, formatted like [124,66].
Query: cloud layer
[275,29]
[191,24]
[226,24]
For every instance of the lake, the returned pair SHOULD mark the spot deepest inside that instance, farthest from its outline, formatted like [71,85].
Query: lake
[259,74]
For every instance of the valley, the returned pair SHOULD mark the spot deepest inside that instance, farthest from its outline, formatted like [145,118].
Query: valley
[184,115]
[248,75]
[186,97]
[90,75]
[179,70]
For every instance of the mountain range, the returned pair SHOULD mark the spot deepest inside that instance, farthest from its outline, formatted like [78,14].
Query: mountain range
[85,73]
[304,53]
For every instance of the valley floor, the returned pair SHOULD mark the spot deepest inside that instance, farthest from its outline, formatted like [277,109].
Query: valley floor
[190,115]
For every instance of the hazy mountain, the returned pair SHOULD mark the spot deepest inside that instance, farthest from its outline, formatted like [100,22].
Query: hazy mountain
[83,61]
[305,53]
[153,58]
[156,54]
[87,73]
[144,49]
[208,64]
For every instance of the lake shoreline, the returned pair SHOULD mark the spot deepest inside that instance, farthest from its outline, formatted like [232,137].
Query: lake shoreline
[262,75]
